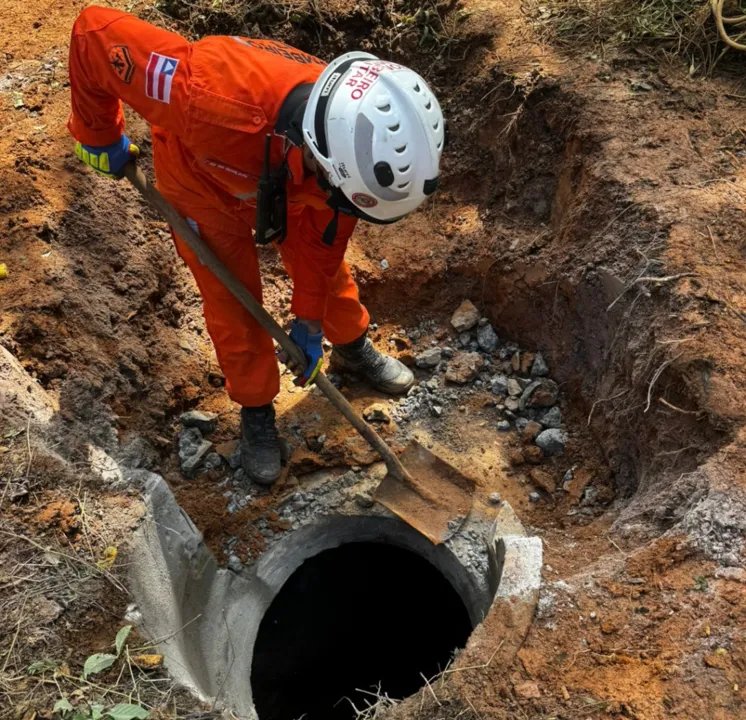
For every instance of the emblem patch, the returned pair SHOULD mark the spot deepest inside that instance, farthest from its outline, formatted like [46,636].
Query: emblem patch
[159,76]
[121,62]
[364,201]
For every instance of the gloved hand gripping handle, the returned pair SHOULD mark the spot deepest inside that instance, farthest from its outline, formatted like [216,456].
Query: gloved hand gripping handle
[250,303]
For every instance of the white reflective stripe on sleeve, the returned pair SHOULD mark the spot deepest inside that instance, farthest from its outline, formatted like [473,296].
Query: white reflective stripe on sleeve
[192,224]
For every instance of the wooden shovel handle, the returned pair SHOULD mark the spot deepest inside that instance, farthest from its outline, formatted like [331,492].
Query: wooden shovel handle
[210,260]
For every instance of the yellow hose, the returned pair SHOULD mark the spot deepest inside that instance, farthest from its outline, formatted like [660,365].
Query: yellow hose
[721,22]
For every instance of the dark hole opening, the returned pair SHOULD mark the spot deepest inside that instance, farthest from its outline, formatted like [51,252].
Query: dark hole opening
[349,620]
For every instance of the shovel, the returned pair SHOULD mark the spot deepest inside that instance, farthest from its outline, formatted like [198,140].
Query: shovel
[422,489]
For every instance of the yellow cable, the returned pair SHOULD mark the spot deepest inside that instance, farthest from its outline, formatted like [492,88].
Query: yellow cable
[717,11]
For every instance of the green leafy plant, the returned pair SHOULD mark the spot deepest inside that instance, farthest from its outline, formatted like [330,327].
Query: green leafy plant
[700,584]
[96,711]
[94,664]
[98,662]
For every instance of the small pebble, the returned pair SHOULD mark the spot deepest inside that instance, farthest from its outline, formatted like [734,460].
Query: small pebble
[534,497]
[234,564]
[495,498]
[384,264]
[503,426]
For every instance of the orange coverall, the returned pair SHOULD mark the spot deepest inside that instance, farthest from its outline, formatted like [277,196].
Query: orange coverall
[211,104]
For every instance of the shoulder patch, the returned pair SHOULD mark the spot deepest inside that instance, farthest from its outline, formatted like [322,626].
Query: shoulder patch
[159,76]
[121,62]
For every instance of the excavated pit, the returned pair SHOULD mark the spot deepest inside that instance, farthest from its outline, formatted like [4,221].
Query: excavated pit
[351,622]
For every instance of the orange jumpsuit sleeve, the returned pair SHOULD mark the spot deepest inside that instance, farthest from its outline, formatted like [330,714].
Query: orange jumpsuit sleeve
[316,264]
[115,57]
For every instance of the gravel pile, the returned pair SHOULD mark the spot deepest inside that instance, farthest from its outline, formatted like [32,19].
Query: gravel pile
[468,358]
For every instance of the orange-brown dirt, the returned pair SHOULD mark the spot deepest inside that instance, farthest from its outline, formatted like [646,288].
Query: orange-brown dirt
[565,190]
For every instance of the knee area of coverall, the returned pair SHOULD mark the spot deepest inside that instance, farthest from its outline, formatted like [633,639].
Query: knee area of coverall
[345,318]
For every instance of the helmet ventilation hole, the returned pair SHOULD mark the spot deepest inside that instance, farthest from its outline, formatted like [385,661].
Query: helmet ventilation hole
[394,128]
[417,87]
[436,126]
[385,108]
[429,105]
[403,185]
[404,169]
[401,149]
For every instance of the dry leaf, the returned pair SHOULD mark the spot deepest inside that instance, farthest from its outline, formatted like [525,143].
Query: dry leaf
[110,555]
[147,662]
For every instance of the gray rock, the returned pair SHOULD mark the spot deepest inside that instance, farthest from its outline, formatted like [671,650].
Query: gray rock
[539,394]
[521,423]
[487,338]
[540,367]
[552,441]
[534,497]
[235,564]
[568,476]
[428,359]
[239,475]
[465,317]
[590,495]
[432,384]
[364,500]
[500,384]
[234,459]
[447,352]
[514,388]
[552,418]
[464,339]
[495,498]
[204,421]
[503,426]
[192,450]
[213,461]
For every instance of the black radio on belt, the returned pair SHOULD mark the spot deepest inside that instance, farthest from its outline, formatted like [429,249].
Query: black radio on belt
[271,202]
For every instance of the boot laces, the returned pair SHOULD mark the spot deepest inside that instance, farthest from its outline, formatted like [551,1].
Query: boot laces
[367,357]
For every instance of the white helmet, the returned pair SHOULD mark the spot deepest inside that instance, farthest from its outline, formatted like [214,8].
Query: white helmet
[377,130]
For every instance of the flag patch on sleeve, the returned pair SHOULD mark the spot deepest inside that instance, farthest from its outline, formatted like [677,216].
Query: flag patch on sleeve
[159,76]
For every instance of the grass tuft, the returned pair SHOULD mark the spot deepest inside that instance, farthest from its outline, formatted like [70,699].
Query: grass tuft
[684,28]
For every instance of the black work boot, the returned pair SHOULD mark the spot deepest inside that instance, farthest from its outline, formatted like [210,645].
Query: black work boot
[383,372]
[260,445]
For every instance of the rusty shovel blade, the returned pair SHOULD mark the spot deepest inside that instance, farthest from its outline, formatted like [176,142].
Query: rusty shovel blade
[436,501]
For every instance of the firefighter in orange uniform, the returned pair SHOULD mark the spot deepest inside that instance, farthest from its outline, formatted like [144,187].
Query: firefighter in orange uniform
[360,138]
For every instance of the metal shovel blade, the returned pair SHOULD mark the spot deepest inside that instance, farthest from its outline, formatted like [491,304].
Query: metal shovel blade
[438,500]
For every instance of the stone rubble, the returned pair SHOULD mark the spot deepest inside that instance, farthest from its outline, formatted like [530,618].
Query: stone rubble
[525,397]
[193,449]
[205,422]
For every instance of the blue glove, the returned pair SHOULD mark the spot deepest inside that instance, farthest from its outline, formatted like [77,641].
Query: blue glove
[310,344]
[108,160]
